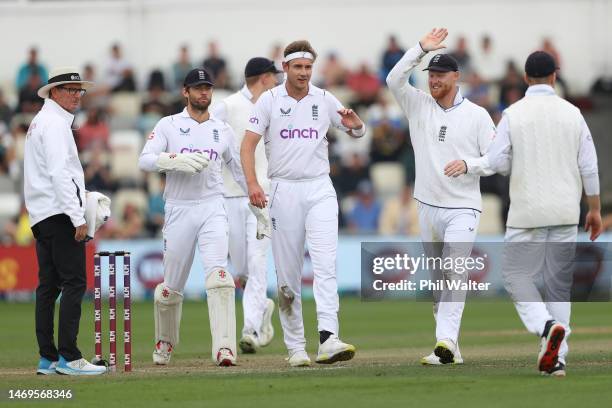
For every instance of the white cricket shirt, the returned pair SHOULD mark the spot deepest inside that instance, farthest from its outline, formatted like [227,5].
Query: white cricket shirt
[295,132]
[439,136]
[181,133]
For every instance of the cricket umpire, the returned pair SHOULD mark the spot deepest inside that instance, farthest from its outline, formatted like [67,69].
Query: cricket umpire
[54,189]
[545,144]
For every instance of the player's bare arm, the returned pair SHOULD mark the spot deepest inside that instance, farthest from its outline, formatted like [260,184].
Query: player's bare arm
[257,197]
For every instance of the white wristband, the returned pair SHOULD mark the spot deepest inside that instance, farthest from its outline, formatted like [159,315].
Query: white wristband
[359,132]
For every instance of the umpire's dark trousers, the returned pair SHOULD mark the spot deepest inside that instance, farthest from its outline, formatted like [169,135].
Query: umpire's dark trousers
[61,263]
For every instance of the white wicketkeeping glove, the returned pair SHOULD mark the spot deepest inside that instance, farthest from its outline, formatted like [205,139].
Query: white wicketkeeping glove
[97,211]
[190,163]
[264,226]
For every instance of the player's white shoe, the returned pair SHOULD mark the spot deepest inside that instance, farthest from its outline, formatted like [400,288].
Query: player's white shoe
[445,350]
[78,367]
[267,329]
[299,359]
[333,350]
[249,343]
[432,359]
[557,371]
[225,358]
[551,341]
[162,353]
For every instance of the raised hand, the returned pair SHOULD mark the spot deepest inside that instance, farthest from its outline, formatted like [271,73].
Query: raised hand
[350,119]
[433,40]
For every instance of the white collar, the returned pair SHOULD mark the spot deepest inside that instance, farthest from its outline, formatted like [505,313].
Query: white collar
[246,92]
[51,105]
[540,89]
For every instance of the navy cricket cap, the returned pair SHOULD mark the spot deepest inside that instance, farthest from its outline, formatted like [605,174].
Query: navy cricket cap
[198,76]
[259,65]
[442,63]
[540,64]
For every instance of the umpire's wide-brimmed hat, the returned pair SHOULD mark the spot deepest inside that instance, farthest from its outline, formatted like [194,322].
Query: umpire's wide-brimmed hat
[63,75]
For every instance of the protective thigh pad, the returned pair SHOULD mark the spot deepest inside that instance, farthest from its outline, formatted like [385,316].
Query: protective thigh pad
[168,305]
[220,292]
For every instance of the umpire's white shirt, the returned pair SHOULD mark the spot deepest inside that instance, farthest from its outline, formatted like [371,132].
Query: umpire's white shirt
[236,110]
[439,136]
[295,132]
[181,133]
[54,181]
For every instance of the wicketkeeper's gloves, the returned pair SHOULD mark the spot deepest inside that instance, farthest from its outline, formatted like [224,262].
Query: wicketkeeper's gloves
[264,226]
[190,163]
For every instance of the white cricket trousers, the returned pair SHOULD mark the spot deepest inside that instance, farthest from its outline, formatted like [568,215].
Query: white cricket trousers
[546,256]
[448,232]
[191,222]
[248,257]
[305,210]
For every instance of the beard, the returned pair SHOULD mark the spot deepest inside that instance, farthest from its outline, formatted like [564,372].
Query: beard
[441,92]
[202,107]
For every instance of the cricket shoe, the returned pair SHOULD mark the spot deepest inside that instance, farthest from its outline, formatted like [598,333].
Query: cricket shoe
[78,367]
[557,371]
[333,350]
[299,359]
[249,343]
[551,341]
[225,358]
[46,367]
[432,359]
[162,353]
[266,333]
[445,350]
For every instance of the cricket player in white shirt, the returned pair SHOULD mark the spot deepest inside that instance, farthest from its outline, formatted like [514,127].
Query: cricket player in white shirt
[443,125]
[293,119]
[545,145]
[192,147]
[248,250]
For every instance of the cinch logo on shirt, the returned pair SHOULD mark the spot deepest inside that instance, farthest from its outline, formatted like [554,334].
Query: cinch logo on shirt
[212,153]
[254,120]
[299,133]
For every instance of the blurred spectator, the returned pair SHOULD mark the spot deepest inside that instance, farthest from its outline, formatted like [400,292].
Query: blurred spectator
[217,66]
[385,121]
[462,56]
[351,175]
[131,225]
[96,96]
[488,63]
[94,130]
[276,55]
[6,113]
[511,85]
[118,73]
[365,84]
[156,104]
[31,67]
[155,216]
[181,67]
[549,47]
[393,53]
[364,216]
[399,215]
[97,171]
[478,90]
[29,101]
[333,72]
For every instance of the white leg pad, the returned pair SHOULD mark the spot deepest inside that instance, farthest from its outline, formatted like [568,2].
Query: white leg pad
[220,293]
[168,306]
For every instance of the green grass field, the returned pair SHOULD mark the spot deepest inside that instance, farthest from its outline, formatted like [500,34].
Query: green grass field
[390,336]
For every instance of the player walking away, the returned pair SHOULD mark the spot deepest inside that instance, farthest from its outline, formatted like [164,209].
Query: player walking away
[192,147]
[293,119]
[545,145]
[248,253]
[441,125]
